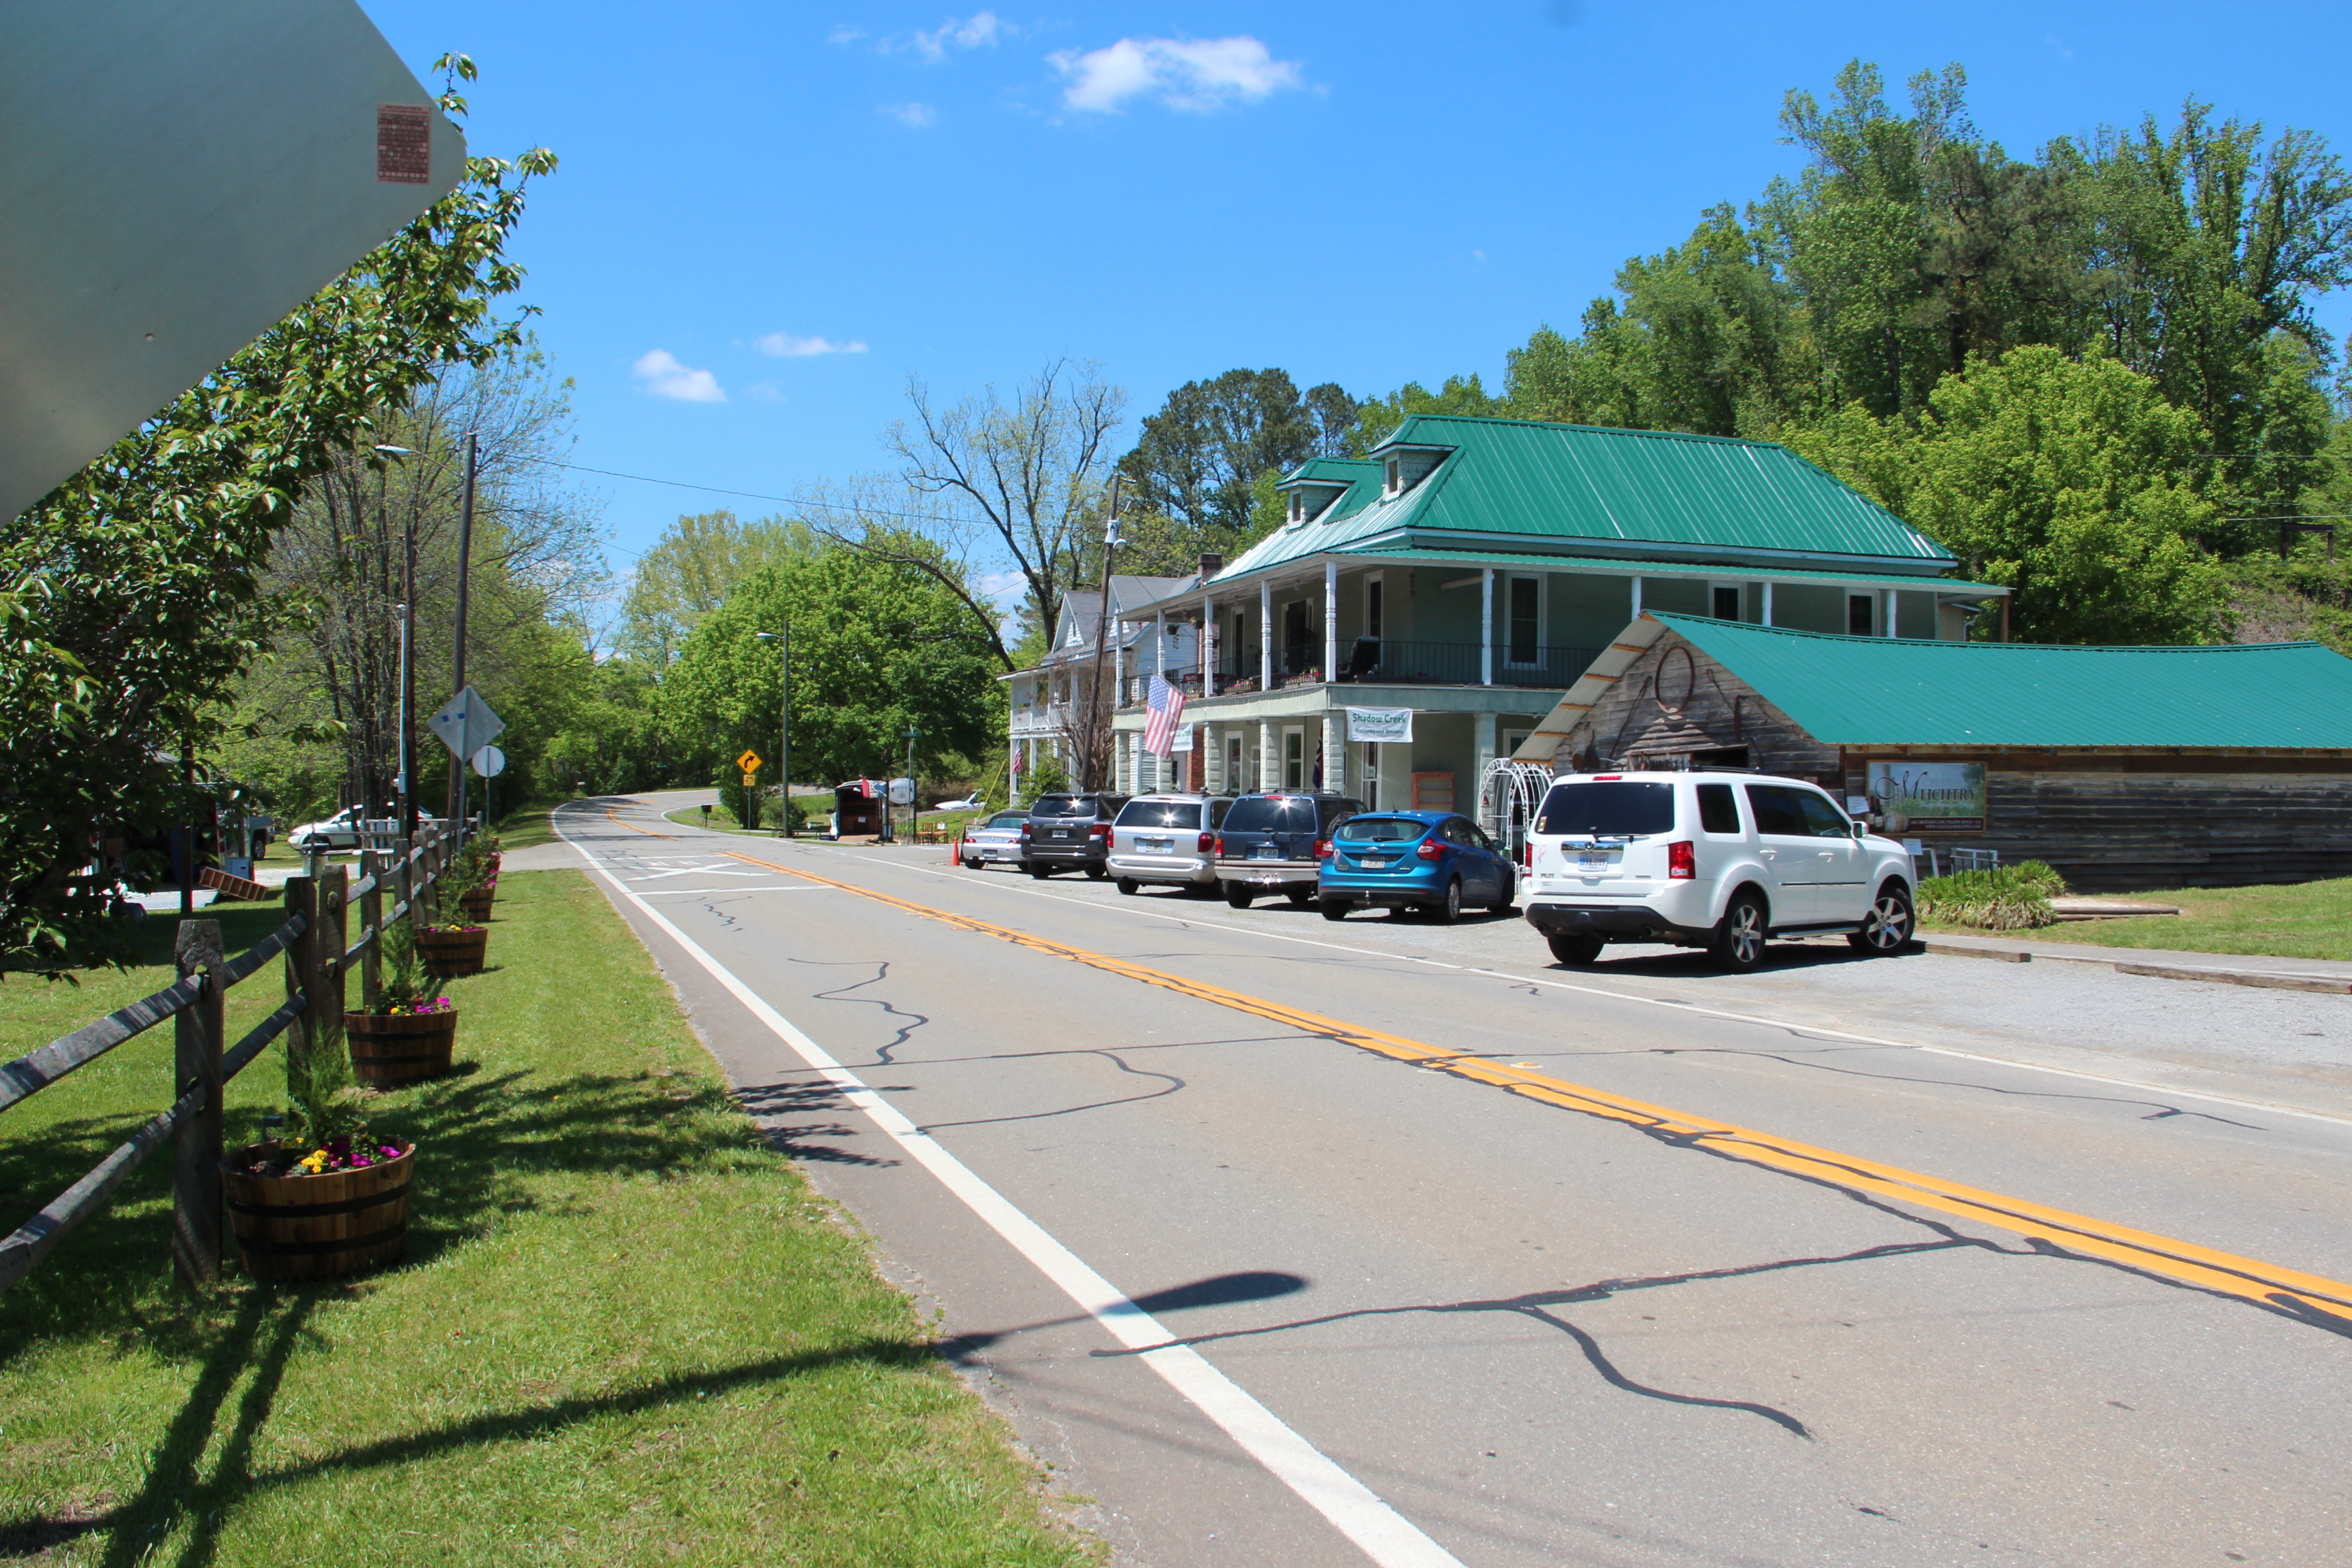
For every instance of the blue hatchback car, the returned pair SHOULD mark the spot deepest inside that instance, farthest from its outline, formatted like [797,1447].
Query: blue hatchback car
[1434,861]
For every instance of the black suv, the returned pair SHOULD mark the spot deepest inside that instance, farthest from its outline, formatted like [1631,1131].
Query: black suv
[1068,833]
[1275,843]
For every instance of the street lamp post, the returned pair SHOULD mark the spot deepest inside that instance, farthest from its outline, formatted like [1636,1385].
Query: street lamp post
[407,673]
[783,723]
[914,794]
[458,679]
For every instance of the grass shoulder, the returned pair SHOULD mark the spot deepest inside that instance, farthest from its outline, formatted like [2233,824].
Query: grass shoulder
[2306,920]
[626,1329]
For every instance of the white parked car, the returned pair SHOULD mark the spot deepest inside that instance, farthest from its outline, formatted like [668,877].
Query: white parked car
[341,831]
[997,841]
[1164,838]
[1705,859]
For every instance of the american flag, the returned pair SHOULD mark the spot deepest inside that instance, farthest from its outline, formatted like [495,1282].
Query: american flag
[1167,704]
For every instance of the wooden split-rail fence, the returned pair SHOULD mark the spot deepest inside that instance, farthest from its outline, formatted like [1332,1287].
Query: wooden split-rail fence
[319,950]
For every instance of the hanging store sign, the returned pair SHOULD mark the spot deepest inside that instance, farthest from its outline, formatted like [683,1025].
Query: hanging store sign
[1381,724]
[1929,797]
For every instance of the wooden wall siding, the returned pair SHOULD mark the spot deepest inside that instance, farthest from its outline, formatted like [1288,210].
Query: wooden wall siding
[1720,703]
[2139,832]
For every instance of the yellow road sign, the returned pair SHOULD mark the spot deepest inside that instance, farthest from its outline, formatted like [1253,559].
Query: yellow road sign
[750,780]
[749,762]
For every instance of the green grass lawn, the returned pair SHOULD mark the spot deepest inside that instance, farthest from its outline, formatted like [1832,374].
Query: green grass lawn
[2308,920]
[626,1331]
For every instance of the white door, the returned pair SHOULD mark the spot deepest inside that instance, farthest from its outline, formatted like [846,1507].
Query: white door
[1785,843]
[1839,866]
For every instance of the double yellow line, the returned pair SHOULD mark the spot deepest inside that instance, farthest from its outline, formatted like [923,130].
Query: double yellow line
[2305,1296]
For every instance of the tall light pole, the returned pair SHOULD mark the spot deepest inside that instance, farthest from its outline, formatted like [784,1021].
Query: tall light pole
[1089,730]
[458,678]
[407,673]
[783,723]
[914,794]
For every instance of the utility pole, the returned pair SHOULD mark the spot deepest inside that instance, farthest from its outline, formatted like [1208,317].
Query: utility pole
[407,668]
[783,723]
[1096,714]
[458,679]
[914,792]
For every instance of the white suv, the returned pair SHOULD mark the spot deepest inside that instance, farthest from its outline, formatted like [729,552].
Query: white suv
[1705,859]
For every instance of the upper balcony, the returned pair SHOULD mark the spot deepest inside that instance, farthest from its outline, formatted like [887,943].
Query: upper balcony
[1380,661]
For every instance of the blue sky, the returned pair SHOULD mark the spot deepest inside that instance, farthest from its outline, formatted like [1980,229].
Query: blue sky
[769,215]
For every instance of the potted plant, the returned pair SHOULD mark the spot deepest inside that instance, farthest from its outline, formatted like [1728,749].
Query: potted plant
[448,943]
[408,1035]
[329,1200]
[476,879]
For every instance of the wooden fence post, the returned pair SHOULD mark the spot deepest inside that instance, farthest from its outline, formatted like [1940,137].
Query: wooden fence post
[301,962]
[327,986]
[197,1141]
[371,922]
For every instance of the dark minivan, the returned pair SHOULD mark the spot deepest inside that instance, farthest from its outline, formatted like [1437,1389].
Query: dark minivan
[1069,833]
[1273,843]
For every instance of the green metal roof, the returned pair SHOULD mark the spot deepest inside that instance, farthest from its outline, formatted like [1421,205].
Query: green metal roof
[1901,692]
[1607,490]
[1333,471]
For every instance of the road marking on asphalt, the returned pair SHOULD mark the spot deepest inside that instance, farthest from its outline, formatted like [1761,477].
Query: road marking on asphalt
[614,812]
[1823,1031]
[705,892]
[1384,1535]
[2309,1296]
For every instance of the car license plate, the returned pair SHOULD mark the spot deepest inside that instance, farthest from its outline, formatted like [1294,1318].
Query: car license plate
[1591,859]
[1156,846]
[1266,852]
[1372,863]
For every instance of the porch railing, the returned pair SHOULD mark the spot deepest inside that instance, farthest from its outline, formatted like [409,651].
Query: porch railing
[1384,661]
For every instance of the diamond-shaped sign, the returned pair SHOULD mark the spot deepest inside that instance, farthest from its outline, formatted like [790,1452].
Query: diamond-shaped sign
[749,762]
[465,723]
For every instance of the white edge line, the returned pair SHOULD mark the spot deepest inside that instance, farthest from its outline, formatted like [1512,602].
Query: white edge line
[1386,1536]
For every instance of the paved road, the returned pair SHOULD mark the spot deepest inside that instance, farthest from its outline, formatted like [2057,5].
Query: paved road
[1489,1262]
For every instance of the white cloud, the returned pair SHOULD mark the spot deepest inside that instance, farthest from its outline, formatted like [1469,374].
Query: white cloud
[1195,74]
[766,391]
[1003,589]
[982,29]
[663,376]
[845,33]
[784,345]
[913,116]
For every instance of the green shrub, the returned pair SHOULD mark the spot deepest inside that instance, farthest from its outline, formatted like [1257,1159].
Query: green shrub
[2013,898]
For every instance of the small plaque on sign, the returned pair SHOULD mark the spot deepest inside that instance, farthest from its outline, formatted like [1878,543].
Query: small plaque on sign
[750,780]
[404,144]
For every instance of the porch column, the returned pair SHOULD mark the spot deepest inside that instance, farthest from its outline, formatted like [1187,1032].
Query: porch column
[1637,599]
[1768,603]
[1159,645]
[1334,751]
[1266,635]
[1890,612]
[1117,664]
[1482,746]
[1207,645]
[1212,766]
[1269,756]
[1487,627]
[1331,630]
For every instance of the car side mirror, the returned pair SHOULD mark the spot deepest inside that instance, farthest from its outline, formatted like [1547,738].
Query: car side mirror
[1860,830]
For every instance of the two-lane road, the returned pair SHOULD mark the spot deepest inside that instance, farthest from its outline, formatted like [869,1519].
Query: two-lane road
[1285,1241]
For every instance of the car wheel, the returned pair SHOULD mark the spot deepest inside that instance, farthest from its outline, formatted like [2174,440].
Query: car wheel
[1738,943]
[1889,926]
[1450,908]
[1576,952]
[972,863]
[1097,872]
[1300,898]
[1128,886]
[1039,872]
[1237,896]
[1336,909]
[1505,901]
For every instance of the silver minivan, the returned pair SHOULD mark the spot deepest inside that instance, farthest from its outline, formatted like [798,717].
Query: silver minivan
[1168,838]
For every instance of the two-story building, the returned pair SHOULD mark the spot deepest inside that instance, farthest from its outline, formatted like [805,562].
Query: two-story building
[1444,595]
[1050,700]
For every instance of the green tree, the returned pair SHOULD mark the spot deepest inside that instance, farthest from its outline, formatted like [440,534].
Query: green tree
[1377,417]
[875,647]
[690,570]
[1196,458]
[2071,482]
[138,588]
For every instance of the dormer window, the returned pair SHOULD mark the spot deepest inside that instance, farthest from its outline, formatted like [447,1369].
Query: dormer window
[1297,507]
[1394,477]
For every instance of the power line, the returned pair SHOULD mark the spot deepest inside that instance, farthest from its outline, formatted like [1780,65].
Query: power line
[748,495]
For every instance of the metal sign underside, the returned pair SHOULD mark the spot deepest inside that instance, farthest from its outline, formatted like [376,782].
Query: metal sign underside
[465,723]
[178,177]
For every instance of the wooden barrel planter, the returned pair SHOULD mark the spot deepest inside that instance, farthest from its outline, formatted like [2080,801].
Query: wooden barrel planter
[317,1227]
[448,954]
[409,1047]
[476,904]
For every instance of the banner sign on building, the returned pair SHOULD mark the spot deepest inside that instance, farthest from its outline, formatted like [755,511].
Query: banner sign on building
[1381,724]
[1184,738]
[1929,797]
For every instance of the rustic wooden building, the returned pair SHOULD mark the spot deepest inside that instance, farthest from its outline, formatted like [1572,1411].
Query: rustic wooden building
[2125,768]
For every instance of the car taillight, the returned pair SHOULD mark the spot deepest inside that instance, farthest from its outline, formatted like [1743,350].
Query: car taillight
[1099,830]
[1024,832]
[1221,844]
[1430,849]
[1322,849]
[1208,843]
[1682,859]
[1528,854]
